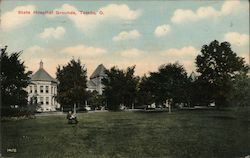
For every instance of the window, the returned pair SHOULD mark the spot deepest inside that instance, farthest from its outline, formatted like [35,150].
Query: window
[30,89]
[41,89]
[47,89]
[47,100]
[41,100]
[51,90]
[35,89]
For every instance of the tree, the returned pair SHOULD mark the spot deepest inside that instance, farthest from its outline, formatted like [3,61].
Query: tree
[95,100]
[218,65]
[169,83]
[120,87]
[130,87]
[145,96]
[14,79]
[72,84]
[199,93]
[240,92]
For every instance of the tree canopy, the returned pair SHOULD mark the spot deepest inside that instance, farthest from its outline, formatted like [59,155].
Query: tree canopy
[218,65]
[169,83]
[95,100]
[120,87]
[14,79]
[72,84]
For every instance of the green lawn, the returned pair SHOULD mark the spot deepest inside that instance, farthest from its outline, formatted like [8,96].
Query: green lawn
[181,134]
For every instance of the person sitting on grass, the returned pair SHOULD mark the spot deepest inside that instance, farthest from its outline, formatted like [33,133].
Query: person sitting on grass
[71,118]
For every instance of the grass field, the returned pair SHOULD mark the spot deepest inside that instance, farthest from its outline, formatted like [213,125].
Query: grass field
[181,134]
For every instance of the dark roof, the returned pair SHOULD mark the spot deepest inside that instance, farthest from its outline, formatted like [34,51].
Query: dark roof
[99,71]
[42,75]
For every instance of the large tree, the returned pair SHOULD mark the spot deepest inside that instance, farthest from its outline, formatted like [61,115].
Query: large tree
[72,84]
[168,83]
[120,87]
[218,65]
[14,79]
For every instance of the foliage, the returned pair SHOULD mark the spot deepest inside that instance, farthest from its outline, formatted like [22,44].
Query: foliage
[72,84]
[197,91]
[169,83]
[145,95]
[95,100]
[120,87]
[218,65]
[240,92]
[14,80]
[200,93]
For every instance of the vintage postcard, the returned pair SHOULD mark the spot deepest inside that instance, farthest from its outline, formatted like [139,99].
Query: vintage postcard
[127,79]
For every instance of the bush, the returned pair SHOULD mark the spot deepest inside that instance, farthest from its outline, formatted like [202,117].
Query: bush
[16,112]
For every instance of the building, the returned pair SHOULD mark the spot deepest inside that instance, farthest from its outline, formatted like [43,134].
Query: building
[42,91]
[95,82]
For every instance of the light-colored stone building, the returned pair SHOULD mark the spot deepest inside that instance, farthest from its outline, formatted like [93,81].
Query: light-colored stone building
[42,91]
[95,82]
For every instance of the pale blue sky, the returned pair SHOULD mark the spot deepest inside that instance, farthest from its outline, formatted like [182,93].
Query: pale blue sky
[183,27]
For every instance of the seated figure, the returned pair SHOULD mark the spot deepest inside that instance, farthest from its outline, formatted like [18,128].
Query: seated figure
[71,118]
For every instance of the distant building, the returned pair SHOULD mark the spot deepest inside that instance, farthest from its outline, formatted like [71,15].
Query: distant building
[42,90]
[95,82]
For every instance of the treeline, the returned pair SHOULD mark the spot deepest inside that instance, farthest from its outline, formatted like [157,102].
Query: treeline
[220,78]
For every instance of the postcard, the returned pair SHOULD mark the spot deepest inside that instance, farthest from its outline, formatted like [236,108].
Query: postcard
[148,78]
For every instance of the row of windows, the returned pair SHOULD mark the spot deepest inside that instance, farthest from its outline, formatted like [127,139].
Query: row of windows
[42,100]
[46,100]
[53,89]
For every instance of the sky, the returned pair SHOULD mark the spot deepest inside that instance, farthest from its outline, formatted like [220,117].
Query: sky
[121,33]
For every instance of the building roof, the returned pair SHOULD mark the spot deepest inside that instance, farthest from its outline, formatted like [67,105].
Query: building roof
[99,71]
[90,83]
[42,75]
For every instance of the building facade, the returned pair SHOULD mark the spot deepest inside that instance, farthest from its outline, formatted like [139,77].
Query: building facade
[42,91]
[95,82]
